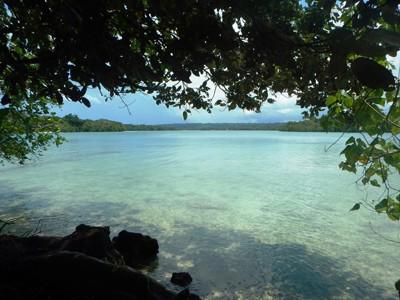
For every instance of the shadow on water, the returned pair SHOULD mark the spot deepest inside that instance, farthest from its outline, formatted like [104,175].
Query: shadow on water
[224,264]
[232,265]
[39,214]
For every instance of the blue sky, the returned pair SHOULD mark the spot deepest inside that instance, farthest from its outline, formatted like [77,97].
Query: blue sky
[144,110]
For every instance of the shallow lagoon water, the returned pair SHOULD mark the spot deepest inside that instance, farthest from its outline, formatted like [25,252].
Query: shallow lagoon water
[250,214]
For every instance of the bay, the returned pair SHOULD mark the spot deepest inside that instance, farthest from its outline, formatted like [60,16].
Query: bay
[249,214]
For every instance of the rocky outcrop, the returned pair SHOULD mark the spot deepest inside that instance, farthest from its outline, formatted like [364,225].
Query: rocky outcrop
[397,286]
[137,249]
[92,241]
[83,265]
[73,275]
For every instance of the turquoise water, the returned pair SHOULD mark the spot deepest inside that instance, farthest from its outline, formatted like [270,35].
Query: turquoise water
[251,215]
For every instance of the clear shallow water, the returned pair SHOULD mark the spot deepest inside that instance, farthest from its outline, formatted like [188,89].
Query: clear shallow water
[251,215]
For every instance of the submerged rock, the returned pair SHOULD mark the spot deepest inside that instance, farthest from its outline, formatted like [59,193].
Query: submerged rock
[181,278]
[137,249]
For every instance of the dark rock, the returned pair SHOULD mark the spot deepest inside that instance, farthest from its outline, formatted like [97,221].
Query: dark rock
[71,275]
[92,241]
[13,248]
[181,279]
[397,286]
[83,265]
[137,249]
[186,295]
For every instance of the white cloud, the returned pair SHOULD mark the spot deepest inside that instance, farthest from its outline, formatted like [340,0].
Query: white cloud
[285,110]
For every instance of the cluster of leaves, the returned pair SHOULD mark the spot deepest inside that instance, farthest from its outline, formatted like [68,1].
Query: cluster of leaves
[370,33]
[327,53]
[26,129]
[376,152]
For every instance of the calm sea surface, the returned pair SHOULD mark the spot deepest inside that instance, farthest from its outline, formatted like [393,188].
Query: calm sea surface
[250,215]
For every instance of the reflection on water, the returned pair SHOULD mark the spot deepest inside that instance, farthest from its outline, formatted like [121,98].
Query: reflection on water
[250,215]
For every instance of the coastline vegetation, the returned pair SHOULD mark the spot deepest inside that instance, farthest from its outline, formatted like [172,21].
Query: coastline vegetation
[72,123]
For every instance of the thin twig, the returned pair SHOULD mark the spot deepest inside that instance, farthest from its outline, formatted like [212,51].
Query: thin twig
[126,105]
[336,141]
[381,114]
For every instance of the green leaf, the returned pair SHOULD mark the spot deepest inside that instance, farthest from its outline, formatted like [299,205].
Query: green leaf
[382,206]
[351,140]
[372,74]
[5,100]
[394,215]
[378,100]
[379,147]
[370,172]
[356,207]
[374,182]
[330,100]
[85,101]
[185,115]
[348,102]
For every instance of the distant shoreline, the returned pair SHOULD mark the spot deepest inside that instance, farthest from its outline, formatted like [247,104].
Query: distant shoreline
[72,123]
[204,130]
[272,130]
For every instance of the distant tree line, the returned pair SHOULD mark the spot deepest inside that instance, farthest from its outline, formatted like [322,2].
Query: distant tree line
[324,123]
[72,123]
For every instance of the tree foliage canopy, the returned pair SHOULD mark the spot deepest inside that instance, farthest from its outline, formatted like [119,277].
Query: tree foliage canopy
[329,54]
